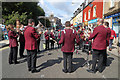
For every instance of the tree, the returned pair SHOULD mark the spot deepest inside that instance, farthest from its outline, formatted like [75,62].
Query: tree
[21,10]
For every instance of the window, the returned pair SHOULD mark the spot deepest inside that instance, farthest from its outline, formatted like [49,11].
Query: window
[89,14]
[112,3]
[94,11]
[85,17]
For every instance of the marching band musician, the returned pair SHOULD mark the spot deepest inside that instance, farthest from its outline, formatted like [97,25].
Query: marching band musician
[13,44]
[31,35]
[47,39]
[52,37]
[22,41]
[38,40]
[68,37]
[99,46]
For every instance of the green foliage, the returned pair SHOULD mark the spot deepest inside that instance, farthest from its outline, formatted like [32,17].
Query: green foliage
[22,11]
[11,18]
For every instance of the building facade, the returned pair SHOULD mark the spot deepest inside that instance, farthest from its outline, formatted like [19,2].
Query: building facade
[112,14]
[92,12]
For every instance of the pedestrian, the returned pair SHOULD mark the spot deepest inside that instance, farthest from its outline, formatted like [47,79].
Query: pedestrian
[99,46]
[106,25]
[52,37]
[47,39]
[31,35]
[68,37]
[111,39]
[22,41]
[13,44]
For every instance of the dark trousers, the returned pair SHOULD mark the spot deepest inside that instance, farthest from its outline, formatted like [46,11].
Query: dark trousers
[52,44]
[13,55]
[59,45]
[47,44]
[98,55]
[105,58]
[67,57]
[21,50]
[38,44]
[81,44]
[31,59]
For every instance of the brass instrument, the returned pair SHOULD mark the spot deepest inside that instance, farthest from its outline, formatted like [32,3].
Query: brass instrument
[39,28]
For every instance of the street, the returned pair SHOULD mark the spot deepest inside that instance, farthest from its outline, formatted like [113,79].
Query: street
[50,64]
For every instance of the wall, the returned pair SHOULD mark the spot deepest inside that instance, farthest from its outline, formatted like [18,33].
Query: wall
[99,10]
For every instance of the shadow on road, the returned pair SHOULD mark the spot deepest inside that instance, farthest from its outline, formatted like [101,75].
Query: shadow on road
[25,59]
[49,63]
[77,63]
[109,61]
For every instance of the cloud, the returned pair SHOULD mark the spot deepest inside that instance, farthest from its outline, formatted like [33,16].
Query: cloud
[62,9]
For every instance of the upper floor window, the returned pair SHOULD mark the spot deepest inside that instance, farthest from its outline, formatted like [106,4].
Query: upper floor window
[94,11]
[89,14]
[112,3]
[85,17]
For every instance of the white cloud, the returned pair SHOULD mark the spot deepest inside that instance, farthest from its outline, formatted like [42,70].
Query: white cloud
[63,9]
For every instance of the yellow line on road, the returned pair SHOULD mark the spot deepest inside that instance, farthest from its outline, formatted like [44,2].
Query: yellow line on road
[4,48]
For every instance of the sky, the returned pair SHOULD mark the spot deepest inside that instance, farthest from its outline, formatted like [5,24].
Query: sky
[62,9]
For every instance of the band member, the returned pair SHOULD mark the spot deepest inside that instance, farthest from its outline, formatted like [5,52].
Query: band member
[22,41]
[99,46]
[47,39]
[52,37]
[68,37]
[106,25]
[31,35]
[13,44]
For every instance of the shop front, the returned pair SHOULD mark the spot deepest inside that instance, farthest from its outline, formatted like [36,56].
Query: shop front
[115,22]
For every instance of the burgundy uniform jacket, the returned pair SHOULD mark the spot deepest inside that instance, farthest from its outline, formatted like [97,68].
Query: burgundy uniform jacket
[68,40]
[12,39]
[30,38]
[100,38]
[46,36]
[52,35]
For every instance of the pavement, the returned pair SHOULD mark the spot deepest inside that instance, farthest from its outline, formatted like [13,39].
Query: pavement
[50,64]
[4,43]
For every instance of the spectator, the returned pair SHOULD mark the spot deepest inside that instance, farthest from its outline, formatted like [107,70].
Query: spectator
[111,39]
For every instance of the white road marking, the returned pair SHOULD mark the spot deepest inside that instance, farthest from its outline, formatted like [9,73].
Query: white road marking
[4,48]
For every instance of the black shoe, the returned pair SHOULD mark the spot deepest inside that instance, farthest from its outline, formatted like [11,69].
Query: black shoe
[29,69]
[91,71]
[10,63]
[34,71]
[16,62]
[22,56]
[70,71]
[65,71]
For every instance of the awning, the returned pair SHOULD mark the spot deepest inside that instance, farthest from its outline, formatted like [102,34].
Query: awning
[92,21]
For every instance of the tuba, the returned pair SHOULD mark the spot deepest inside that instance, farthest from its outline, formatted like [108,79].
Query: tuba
[39,28]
